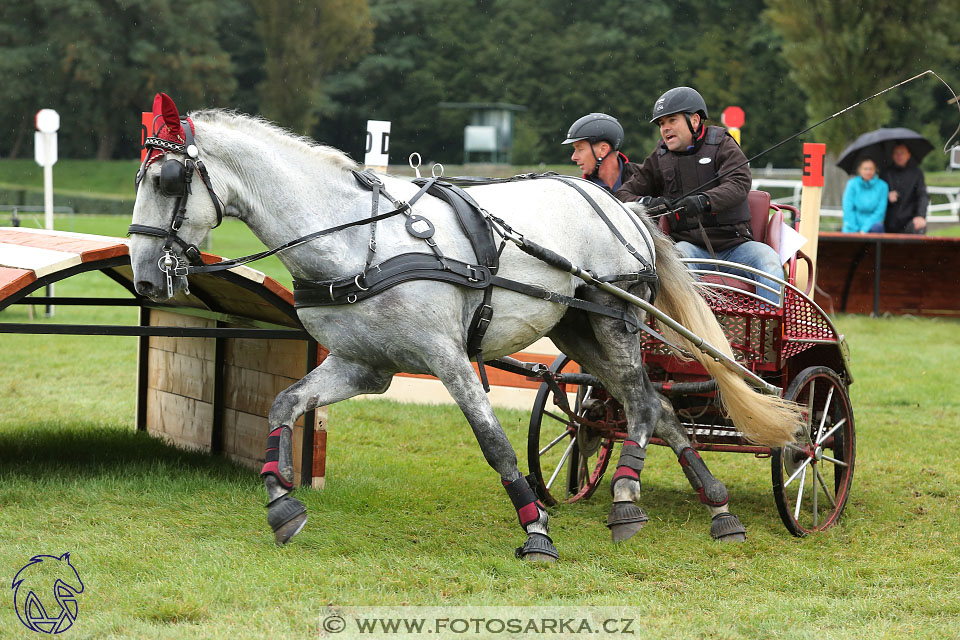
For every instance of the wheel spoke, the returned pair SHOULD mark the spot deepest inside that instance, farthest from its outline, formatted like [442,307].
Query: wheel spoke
[799,469]
[561,419]
[803,479]
[823,416]
[831,432]
[840,463]
[823,484]
[553,443]
[814,489]
[563,458]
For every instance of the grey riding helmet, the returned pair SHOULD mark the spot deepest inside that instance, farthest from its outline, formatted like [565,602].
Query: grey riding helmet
[595,127]
[679,100]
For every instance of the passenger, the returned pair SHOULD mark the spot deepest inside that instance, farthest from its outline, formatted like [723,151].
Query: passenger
[864,200]
[907,200]
[595,137]
[713,222]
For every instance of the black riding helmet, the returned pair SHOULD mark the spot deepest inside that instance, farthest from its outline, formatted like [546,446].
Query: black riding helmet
[679,100]
[596,127]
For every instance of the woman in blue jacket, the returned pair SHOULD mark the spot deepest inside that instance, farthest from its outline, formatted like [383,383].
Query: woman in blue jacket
[865,200]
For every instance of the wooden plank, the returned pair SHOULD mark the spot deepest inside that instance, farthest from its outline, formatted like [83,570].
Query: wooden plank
[180,374]
[179,419]
[919,275]
[13,280]
[41,261]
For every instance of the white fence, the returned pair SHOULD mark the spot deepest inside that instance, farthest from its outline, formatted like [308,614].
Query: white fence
[947,212]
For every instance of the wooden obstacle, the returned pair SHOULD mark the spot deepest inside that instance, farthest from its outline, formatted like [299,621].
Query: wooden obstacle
[209,364]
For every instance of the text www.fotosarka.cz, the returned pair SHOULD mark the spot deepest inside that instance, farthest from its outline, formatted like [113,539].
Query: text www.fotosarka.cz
[439,623]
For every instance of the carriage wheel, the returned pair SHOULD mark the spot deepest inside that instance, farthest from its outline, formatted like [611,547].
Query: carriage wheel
[812,477]
[566,460]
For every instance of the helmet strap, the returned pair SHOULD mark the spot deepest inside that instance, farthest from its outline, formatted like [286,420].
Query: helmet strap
[596,167]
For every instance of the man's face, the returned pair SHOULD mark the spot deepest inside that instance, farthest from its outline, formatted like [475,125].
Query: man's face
[583,156]
[901,155]
[675,132]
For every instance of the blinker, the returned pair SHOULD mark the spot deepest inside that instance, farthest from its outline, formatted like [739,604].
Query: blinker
[173,182]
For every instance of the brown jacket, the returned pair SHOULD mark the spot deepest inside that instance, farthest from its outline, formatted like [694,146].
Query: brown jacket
[728,196]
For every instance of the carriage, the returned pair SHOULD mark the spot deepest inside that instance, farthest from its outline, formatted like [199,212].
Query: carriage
[413,289]
[575,424]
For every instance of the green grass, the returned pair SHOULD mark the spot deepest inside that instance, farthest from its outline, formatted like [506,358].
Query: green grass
[172,544]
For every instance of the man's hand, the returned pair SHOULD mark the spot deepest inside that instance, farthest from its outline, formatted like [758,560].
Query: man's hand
[893,196]
[693,206]
[686,214]
[919,223]
[653,205]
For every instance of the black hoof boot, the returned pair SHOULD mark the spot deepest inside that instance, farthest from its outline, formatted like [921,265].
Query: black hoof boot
[624,520]
[538,548]
[286,516]
[726,527]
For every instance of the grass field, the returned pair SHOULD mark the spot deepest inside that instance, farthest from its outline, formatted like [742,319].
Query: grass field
[172,544]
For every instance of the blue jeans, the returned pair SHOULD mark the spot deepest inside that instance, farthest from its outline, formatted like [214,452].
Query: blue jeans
[752,254]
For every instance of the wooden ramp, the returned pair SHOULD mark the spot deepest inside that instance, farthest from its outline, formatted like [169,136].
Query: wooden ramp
[209,364]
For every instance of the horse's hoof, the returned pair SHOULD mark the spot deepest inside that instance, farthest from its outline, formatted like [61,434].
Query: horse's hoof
[624,520]
[538,548]
[726,527]
[286,517]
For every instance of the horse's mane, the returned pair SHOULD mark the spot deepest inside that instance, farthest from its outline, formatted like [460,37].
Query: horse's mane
[264,128]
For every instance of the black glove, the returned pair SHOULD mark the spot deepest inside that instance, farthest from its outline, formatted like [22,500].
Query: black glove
[688,211]
[653,205]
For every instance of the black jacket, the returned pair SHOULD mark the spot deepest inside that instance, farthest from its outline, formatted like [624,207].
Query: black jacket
[912,198]
[728,223]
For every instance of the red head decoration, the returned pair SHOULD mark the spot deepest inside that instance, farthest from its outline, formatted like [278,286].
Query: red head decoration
[171,130]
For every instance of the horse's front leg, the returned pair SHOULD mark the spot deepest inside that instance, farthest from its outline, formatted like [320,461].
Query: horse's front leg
[334,380]
[461,382]
[724,526]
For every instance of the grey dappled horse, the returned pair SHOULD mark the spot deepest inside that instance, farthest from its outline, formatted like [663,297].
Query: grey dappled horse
[284,187]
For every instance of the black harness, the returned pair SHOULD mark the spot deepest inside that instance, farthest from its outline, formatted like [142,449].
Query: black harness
[376,277]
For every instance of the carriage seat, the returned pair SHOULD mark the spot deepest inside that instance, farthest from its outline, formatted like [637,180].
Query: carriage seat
[764,224]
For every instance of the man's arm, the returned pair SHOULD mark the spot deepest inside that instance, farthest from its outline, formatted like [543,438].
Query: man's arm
[646,182]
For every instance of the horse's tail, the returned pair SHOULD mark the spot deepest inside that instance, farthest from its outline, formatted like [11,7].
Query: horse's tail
[763,419]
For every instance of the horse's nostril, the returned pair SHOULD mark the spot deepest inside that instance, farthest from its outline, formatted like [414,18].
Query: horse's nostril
[144,287]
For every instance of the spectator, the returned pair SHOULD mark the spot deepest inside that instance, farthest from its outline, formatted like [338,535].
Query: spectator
[908,200]
[864,200]
[714,222]
[595,137]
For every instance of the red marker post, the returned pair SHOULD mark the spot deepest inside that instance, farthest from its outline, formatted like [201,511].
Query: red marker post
[733,118]
[810,196]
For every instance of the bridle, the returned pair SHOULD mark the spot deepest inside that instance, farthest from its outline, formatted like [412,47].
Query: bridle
[175,182]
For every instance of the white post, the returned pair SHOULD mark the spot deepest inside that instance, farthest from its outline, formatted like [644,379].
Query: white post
[378,145]
[45,153]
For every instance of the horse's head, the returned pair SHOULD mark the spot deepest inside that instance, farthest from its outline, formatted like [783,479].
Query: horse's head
[168,224]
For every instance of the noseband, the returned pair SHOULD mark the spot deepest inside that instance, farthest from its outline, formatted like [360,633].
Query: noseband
[175,182]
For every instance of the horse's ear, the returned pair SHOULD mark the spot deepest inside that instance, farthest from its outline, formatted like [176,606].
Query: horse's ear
[163,105]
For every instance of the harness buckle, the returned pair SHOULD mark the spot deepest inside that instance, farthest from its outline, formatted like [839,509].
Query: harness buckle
[356,281]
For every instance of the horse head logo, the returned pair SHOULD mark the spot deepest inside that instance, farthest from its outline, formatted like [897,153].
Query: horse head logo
[53,579]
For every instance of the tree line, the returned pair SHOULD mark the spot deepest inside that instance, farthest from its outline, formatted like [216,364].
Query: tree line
[323,67]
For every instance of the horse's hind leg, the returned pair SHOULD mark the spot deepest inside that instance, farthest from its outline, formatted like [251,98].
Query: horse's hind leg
[605,347]
[461,382]
[724,526]
[334,380]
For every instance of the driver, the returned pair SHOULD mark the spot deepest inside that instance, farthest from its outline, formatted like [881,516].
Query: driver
[714,221]
[596,139]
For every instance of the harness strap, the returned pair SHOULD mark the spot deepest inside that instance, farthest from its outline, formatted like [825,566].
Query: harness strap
[606,220]
[389,273]
[229,264]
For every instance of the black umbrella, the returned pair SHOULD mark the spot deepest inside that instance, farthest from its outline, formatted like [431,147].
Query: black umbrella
[878,145]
